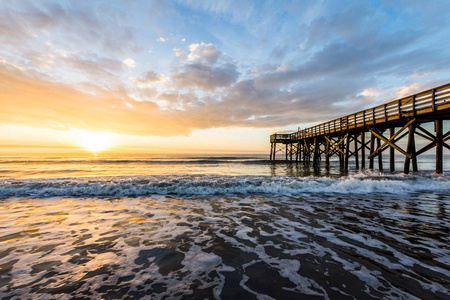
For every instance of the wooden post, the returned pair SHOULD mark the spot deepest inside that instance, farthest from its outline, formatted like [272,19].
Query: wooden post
[363,150]
[355,138]
[305,151]
[380,156]
[392,152]
[299,151]
[341,156]
[372,148]
[274,151]
[309,152]
[286,151]
[410,148]
[271,150]
[347,152]
[413,153]
[315,157]
[291,146]
[438,128]
[327,154]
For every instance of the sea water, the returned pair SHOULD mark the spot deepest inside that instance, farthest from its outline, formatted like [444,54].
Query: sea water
[219,227]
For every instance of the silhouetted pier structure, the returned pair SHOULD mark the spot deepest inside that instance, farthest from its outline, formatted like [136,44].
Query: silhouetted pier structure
[369,133]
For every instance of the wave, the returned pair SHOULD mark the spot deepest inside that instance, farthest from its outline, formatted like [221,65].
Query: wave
[222,185]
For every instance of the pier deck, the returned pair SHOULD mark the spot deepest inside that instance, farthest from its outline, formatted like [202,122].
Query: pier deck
[402,117]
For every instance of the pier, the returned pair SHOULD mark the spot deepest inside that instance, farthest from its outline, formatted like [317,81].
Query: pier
[366,135]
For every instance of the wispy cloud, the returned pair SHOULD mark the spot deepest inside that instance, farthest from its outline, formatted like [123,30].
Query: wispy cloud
[147,78]
[212,64]
[32,101]
[205,77]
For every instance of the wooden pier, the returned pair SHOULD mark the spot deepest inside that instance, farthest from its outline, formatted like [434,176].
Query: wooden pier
[366,135]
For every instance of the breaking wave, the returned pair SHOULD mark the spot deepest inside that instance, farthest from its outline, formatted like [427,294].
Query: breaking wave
[222,185]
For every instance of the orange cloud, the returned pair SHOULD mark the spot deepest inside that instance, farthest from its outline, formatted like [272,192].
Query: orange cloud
[36,102]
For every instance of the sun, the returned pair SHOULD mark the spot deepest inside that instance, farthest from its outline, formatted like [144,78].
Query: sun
[96,141]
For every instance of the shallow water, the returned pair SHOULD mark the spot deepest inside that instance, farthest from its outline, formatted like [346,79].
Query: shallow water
[72,165]
[226,247]
[189,235]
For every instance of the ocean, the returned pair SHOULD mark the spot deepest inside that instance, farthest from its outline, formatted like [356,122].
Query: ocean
[106,226]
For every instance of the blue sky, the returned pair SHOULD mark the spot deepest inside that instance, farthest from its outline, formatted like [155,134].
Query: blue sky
[158,70]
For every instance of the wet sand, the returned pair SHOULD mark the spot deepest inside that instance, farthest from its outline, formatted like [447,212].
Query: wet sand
[326,246]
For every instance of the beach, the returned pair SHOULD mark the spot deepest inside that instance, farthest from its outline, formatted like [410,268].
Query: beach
[220,234]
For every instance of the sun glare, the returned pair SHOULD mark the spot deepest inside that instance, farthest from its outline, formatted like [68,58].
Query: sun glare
[96,141]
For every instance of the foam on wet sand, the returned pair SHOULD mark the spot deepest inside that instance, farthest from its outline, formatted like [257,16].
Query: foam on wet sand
[275,245]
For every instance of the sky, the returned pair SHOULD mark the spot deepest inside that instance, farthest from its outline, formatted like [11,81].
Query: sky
[206,76]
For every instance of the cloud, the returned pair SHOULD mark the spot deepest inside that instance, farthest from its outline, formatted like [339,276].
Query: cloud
[94,26]
[180,53]
[33,101]
[129,63]
[204,53]
[99,68]
[286,63]
[236,10]
[205,77]
[146,79]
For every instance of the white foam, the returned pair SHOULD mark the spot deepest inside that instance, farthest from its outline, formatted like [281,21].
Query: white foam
[219,185]
[327,227]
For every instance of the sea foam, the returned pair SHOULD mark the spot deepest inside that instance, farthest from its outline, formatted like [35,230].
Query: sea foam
[222,185]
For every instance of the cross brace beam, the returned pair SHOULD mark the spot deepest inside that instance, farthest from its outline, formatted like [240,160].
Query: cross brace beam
[391,141]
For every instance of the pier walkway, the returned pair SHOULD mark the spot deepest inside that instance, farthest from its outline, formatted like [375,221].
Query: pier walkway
[368,133]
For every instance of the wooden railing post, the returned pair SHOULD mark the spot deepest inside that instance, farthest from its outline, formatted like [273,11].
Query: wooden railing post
[433,100]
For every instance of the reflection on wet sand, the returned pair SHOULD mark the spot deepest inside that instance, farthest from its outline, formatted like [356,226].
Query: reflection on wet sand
[229,247]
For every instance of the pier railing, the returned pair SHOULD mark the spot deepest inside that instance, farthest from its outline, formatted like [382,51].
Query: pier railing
[280,137]
[430,101]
